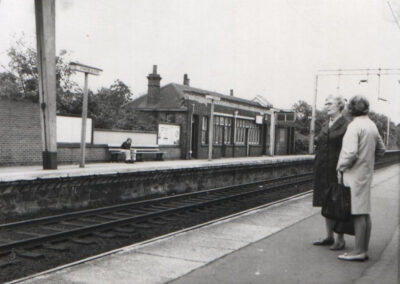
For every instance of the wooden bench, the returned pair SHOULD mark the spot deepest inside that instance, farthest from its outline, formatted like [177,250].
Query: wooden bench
[117,154]
[148,151]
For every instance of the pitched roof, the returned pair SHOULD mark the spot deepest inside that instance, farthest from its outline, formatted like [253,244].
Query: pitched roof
[172,96]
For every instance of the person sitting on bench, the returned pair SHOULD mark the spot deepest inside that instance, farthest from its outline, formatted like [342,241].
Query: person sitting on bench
[130,155]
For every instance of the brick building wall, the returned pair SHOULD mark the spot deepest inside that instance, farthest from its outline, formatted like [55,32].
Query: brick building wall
[70,153]
[20,137]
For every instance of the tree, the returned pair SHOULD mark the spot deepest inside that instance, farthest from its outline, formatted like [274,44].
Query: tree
[381,123]
[23,66]
[8,85]
[304,113]
[105,106]
[397,131]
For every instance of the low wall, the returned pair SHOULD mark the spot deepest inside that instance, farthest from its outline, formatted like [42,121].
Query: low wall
[171,152]
[70,153]
[26,199]
[29,198]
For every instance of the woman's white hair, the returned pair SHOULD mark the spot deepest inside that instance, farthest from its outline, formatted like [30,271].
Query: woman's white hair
[339,100]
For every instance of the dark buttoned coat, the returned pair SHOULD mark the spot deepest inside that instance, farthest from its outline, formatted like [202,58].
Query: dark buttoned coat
[329,144]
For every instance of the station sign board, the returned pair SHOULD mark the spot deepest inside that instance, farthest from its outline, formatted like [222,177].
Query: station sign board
[85,68]
[259,119]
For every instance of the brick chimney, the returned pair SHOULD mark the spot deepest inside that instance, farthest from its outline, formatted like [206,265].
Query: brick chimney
[153,92]
[186,80]
[231,92]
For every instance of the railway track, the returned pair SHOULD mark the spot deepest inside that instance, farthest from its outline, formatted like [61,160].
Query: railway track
[33,240]
[31,246]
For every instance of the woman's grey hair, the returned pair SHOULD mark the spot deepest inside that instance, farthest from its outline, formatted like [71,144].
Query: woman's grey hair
[358,105]
[339,100]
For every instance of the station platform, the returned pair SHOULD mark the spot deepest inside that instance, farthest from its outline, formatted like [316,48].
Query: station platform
[35,172]
[270,244]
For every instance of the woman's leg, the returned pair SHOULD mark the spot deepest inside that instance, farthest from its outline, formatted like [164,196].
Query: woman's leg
[329,223]
[329,240]
[368,231]
[360,228]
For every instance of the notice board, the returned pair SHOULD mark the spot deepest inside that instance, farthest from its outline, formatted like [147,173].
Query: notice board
[168,134]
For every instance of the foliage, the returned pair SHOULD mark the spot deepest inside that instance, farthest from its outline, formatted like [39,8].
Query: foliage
[304,113]
[8,85]
[23,66]
[381,123]
[397,132]
[21,82]
[105,106]
[302,126]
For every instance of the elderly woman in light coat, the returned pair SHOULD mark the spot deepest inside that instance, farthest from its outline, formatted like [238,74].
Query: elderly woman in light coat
[361,143]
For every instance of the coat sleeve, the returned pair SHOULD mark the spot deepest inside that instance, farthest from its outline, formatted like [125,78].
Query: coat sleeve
[380,147]
[349,153]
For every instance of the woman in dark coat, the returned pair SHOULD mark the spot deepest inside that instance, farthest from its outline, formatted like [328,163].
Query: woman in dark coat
[329,144]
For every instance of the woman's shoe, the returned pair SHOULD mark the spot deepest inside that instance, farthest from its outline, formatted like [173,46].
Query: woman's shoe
[338,246]
[354,257]
[324,242]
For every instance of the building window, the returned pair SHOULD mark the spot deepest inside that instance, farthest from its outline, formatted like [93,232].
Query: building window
[204,130]
[252,129]
[170,117]
[222,130]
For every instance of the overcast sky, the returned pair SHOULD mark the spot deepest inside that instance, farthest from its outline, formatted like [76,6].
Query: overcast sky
[271,48]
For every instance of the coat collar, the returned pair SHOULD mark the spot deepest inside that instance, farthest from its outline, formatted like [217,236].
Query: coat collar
[338,123]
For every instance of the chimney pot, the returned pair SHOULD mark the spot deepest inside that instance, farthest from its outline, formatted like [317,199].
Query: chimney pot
[153,93]
[186,80]
[231,92]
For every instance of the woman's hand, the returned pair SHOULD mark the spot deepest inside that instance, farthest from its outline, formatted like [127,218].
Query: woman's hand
[340,177]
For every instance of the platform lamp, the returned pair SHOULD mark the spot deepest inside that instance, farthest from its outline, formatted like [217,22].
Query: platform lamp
[384,100]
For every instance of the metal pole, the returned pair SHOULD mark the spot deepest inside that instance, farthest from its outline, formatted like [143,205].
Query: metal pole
[272,134]
[84,115]
[387,132]
[46,46]
[211,131]
[312,126]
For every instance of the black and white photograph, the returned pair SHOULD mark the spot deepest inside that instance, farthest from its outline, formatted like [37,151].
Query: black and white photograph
[200,141]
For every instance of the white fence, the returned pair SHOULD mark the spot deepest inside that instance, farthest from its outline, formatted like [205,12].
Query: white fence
[116,137]
[69,129]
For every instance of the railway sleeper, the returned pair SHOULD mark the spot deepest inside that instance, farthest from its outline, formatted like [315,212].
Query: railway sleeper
[29,254]
[6,263]
[56,247]
[83,241]
[141,225]
[157,221]
[106,235]
[125,230]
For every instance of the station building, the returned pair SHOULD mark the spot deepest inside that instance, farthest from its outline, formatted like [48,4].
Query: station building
[187,118]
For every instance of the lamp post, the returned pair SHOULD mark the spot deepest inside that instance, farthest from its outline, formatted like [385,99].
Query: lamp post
[211,124]
[312,127]
[388,123]
[87,70]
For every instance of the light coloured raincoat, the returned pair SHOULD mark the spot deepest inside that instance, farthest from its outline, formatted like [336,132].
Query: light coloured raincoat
[361,143]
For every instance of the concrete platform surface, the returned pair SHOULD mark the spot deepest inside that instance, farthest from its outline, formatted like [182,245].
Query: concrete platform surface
[34,172]
[267,245]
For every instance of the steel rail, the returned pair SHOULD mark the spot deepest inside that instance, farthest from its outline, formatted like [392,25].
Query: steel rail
[139,218]
[140,203]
